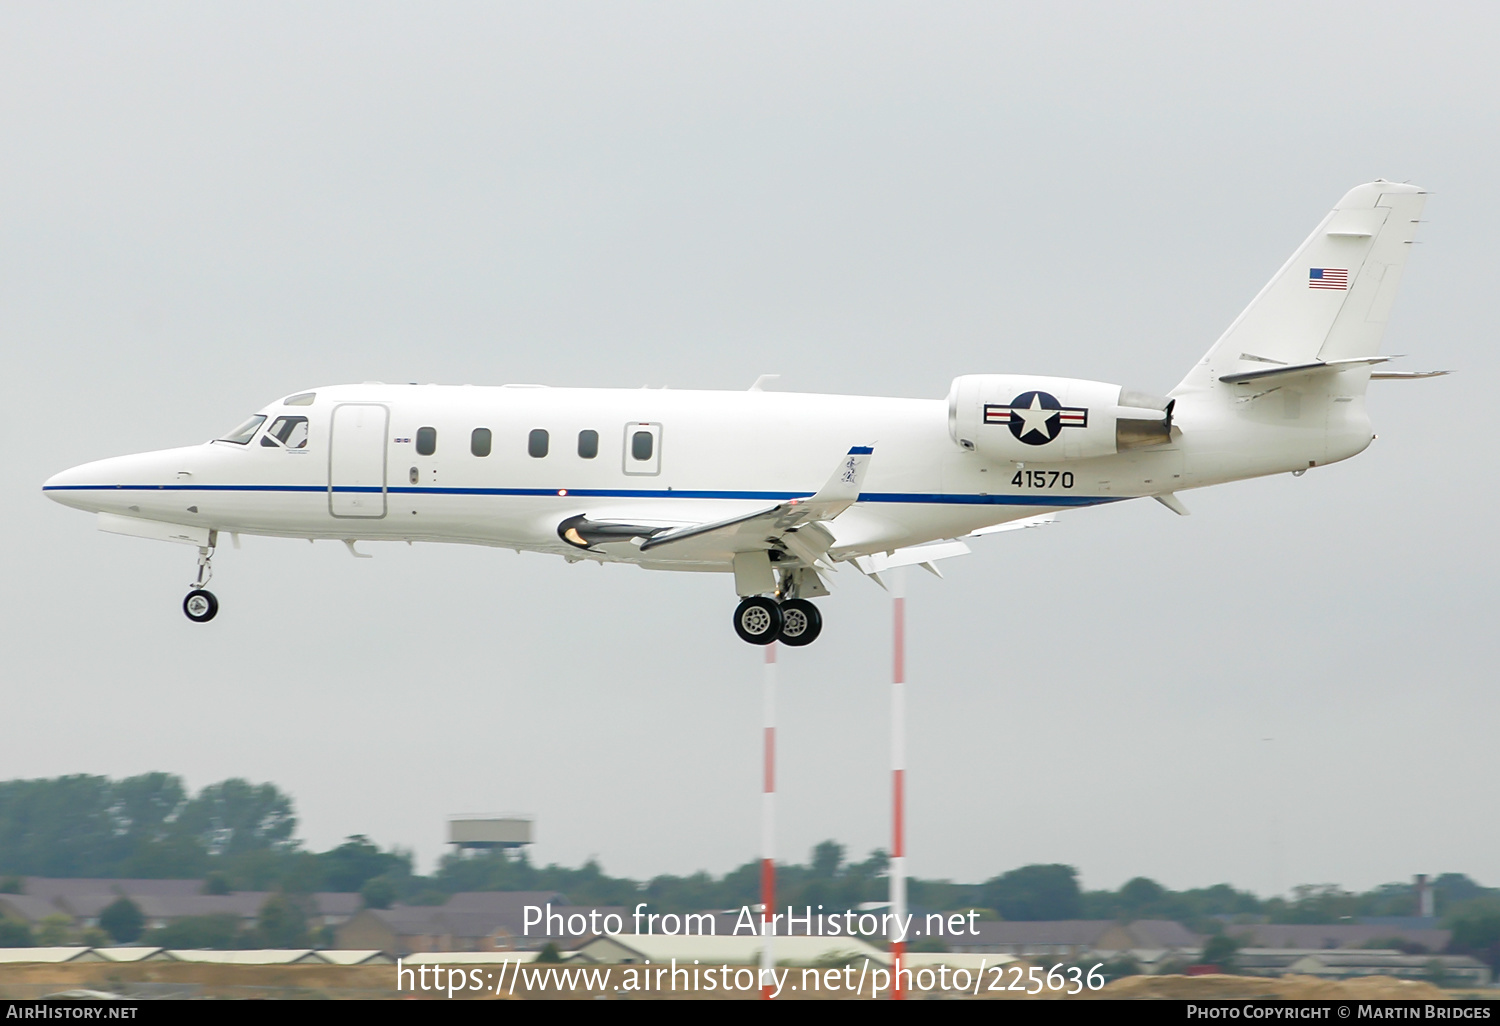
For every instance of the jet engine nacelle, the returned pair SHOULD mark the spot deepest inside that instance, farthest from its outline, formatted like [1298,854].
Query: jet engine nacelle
[1018,417]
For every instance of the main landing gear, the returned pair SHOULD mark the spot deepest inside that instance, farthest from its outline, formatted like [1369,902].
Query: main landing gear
[761,620]
[200,605]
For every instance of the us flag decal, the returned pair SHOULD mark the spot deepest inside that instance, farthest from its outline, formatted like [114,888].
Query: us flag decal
[1328,278]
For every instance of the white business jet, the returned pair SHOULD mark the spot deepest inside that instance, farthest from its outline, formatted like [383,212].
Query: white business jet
[783,489]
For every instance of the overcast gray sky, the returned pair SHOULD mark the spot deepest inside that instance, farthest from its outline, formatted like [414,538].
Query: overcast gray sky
[205,207]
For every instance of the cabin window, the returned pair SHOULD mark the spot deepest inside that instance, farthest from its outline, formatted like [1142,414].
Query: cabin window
[536,443]
[246,431]
[289,431]
[642,449]
[426,441]
[305,399]
[479,442]
[641,445]
[588,444]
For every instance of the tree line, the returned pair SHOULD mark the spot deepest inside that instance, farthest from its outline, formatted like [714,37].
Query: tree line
[239,836]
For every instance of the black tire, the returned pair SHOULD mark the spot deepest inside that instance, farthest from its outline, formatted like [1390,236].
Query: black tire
[801,623]
[758,620]
[200,606]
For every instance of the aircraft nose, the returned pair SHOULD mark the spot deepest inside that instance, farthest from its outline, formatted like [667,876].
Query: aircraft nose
[120,484]
[88,485]
[58,485]
[69,486]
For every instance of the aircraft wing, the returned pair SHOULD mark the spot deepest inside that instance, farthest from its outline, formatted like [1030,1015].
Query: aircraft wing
[792,523]
[795,526]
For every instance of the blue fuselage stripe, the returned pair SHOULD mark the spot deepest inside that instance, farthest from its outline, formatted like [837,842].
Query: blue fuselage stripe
[923,498]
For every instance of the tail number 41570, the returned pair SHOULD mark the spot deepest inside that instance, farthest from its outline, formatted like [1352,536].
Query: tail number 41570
[1043,479]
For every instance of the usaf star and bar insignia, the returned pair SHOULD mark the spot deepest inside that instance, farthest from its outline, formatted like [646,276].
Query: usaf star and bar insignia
[1036,417]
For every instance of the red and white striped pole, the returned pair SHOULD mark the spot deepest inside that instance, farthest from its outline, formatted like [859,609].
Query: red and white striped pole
[768,827]
[898,780]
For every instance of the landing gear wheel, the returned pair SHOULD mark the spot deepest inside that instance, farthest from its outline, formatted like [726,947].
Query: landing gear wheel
[758,620]
[200,606]
[801,622]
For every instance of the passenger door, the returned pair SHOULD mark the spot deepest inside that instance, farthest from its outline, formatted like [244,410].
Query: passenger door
[356,460]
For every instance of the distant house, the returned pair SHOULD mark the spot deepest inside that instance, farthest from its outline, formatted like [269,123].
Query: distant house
[26,908]
[161,902]
[162,909]
[468,921]
[1342,964]
[1330,936]
[64,892]
[403,929]
[334,908]
[628,948]
[1146,940]
[82,899]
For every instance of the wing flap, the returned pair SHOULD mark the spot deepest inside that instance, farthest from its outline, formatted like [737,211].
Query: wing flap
[1405,375]
[914,555]
[1041,520]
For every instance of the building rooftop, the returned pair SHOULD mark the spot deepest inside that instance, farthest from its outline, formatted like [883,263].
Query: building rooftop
[1333,935]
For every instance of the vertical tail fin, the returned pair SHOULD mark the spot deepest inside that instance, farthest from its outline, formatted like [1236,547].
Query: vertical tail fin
[1331,299]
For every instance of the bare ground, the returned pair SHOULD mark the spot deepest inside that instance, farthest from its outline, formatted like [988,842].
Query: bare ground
[195,980]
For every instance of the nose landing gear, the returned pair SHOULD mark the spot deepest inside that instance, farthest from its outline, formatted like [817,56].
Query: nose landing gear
[200,605]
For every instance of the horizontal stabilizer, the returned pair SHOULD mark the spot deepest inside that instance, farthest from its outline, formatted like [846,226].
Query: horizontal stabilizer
[1317,367]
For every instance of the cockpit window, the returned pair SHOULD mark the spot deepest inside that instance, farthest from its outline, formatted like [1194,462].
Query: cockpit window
[289,431]
[246,431]
[304,399]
